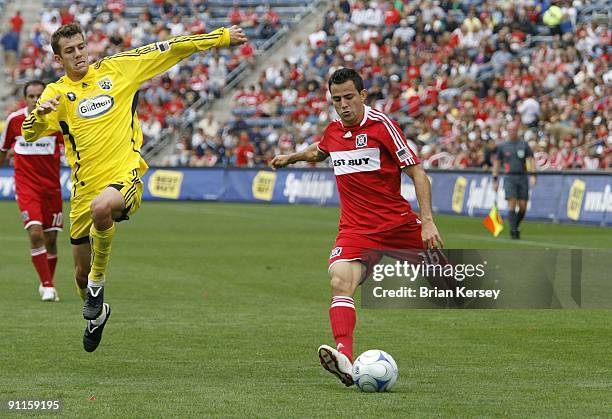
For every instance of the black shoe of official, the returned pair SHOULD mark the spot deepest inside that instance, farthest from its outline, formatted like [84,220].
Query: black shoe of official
[93,334]
[93,302]
[515,235]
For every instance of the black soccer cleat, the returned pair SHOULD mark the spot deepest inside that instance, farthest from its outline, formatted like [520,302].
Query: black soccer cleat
[93,302]
[93,334]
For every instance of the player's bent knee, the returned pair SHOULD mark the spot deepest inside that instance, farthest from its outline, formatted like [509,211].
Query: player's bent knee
[100,210]
[342,286]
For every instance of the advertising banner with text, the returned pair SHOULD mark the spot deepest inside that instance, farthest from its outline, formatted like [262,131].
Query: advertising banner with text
[582,198]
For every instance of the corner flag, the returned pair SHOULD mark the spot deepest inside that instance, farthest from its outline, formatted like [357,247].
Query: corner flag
[493,222]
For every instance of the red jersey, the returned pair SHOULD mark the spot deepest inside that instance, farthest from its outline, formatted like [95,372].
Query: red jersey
[37,164]
[368,159]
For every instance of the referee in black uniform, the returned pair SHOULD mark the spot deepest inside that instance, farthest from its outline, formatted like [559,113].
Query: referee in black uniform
[516,158]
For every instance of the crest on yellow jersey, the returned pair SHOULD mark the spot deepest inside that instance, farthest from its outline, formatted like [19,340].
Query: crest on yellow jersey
[105,84]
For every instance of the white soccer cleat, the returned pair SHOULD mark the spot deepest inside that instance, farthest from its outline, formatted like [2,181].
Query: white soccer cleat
[48,293]
[337,363]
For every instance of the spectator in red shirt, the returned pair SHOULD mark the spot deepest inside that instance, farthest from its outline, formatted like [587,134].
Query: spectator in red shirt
[17,22]
[65,16]
[392,17]
[116,6]
[272,16]
[235,16]
[250,19]
[245,151]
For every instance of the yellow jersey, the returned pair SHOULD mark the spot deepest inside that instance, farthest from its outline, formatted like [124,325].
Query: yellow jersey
[97,114]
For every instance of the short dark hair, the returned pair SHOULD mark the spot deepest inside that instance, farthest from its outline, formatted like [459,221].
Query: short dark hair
[342,75]
[32,83]
[66,31]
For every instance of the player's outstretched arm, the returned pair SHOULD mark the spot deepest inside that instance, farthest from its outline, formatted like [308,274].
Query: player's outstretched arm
[144,63]
[429,232]
[311,154]
[37,123]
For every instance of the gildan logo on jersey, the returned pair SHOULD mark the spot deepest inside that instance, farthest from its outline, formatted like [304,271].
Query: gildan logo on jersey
[361,141]
[95,106]
[353,161]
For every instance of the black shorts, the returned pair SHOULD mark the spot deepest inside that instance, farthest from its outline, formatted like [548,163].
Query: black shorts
[517,187]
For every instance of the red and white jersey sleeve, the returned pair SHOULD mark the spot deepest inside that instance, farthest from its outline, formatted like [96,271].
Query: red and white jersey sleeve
[37,164]
[395,141]
[368,159]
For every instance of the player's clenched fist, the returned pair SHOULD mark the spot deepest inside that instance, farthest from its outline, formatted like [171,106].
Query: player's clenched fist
[48,106]
[279,161]
[237,36]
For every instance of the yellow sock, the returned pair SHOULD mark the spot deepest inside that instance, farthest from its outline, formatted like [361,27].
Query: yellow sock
[80,291]
[101,242]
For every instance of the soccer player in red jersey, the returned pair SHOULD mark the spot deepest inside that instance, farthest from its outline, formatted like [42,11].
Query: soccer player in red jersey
[369,152]
[37,188]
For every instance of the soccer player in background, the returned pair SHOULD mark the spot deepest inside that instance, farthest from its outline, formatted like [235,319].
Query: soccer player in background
[369,152]
[37,188]
[517,159]
[95,108]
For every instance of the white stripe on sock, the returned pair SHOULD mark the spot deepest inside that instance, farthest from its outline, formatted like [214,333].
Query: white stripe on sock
[343,305]
[39,251]
[95,283]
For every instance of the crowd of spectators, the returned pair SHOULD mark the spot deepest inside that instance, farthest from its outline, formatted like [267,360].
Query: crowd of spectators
[454,73]
[111,29]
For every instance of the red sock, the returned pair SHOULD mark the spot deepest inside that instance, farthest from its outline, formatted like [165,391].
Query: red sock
[52,261]
[342,317]
[39,259]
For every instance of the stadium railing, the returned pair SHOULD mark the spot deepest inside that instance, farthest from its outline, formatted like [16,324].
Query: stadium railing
[265,50]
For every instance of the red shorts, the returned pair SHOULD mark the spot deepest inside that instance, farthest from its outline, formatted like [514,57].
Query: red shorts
[44,209]
[370,248]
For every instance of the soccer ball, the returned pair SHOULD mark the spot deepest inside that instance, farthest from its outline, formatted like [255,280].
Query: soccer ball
[375,371]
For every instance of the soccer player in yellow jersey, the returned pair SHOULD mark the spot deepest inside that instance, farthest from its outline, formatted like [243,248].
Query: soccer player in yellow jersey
[94,106]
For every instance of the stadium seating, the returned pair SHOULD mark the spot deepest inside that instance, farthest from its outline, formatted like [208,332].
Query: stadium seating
[454,92]
[157,122]
[441,112]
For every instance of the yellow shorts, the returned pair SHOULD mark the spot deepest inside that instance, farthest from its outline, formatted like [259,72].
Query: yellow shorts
[130,187]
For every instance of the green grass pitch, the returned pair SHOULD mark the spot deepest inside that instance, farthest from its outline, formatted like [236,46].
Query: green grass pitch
[218,310]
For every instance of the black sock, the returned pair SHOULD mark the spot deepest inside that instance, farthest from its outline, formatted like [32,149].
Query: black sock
[512,217]
[519,217]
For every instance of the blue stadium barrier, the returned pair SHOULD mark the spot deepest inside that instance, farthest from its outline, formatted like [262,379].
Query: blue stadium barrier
[568,197]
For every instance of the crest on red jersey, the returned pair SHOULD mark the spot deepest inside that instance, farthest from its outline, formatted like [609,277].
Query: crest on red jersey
[361,141]
[335,252]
